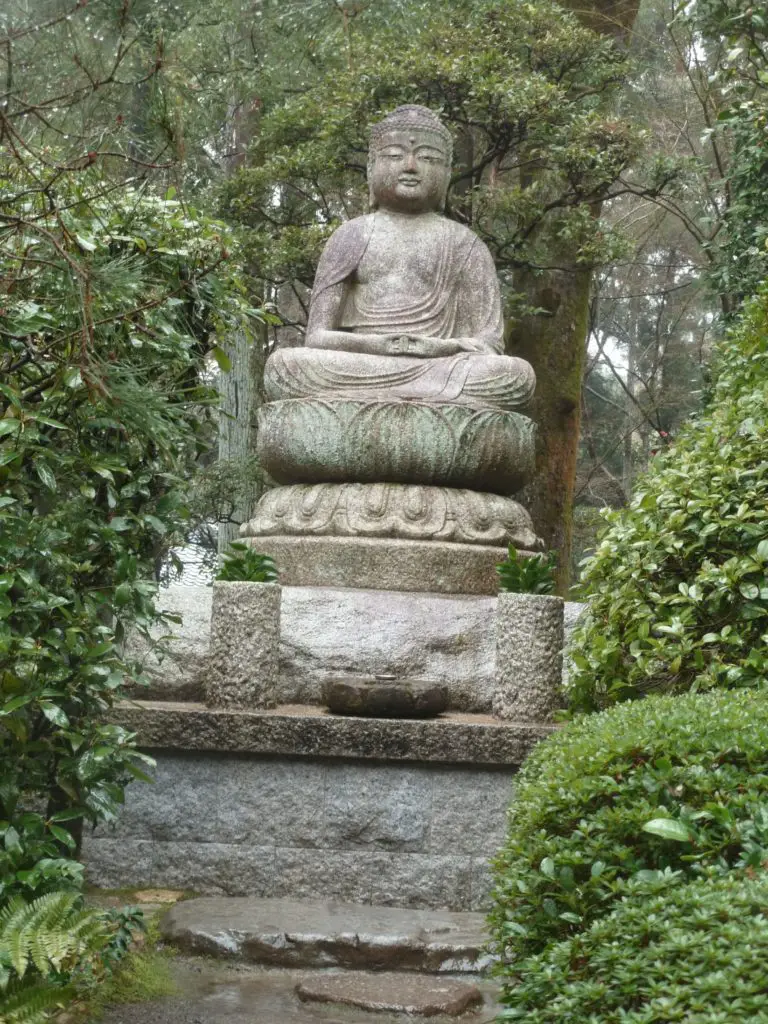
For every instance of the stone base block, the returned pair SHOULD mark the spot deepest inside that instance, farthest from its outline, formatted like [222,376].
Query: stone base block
[374,564]
[307,826]
[285,933]
[529,656]
[245,645]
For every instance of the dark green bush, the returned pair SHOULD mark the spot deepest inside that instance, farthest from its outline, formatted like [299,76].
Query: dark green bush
[531,574]
[616,799]
[678,586]
[113,304]
[242,564]
[696,953]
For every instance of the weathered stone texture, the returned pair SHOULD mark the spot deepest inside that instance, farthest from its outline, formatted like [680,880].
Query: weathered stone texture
[175,659]
[373,563]
[243,661]
[319,934]
[337,440]
[309,731]
[529,656]
[386,834]
[329,631]
[393,992]
[416,512]
[372,697]
[326,631]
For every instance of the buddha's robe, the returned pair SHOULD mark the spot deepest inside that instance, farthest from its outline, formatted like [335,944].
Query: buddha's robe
[457,298]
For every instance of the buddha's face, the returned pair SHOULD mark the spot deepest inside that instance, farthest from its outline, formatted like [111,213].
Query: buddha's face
[409,172]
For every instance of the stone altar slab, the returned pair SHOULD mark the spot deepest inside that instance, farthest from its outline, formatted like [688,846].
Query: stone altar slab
[327,631]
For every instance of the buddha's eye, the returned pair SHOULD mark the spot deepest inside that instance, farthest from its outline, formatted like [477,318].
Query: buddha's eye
[393,154]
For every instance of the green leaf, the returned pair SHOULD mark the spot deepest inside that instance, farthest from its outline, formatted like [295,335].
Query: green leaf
[668,828]
[54,714]
[9,426]
[15,703]
[48,422]
[547,867]
[64,837]
[46,476]
[8,456]
[221,357]
[157,525]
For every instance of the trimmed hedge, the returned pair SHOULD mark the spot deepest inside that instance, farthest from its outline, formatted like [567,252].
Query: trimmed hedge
[678,586]
[698,764]
[696,953]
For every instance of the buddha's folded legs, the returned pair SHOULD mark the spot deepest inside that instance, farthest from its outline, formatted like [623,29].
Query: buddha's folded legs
[475,379]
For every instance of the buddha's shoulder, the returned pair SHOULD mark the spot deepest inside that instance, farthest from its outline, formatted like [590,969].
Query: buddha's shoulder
[463,235]
[358,227]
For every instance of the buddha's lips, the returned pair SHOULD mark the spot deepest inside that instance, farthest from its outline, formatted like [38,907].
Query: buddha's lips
[409,181]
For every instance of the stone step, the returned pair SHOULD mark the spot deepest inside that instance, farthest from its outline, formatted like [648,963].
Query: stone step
[413,994]
[284,933]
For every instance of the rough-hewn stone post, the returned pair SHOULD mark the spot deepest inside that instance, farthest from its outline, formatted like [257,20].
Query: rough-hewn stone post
[245,641]
[529,656]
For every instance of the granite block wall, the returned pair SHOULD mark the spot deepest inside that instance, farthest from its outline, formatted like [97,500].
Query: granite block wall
[358,831]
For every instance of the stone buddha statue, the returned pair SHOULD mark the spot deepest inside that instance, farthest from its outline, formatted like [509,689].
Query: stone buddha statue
[396,426]
[406,302]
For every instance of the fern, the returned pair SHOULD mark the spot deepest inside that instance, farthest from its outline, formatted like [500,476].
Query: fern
[41,943]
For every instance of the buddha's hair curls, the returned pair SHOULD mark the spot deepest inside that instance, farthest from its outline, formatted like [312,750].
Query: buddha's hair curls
[412,117]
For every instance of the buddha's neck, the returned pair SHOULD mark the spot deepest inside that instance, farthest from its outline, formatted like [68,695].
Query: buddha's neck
[405,215]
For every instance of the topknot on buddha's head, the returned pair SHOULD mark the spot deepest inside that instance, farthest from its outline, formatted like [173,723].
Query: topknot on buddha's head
[413,118]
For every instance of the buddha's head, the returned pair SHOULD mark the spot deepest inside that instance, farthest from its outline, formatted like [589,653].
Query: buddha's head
[409,161]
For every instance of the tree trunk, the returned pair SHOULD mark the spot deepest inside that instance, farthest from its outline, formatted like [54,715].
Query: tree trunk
[555,345]
[239,399]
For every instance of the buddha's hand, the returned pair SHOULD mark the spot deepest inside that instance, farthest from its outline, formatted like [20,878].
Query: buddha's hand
[422,346]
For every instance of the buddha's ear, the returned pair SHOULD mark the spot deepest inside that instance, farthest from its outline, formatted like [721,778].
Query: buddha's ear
[372,204]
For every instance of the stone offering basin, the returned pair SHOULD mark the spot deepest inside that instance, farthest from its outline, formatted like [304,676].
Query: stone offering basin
[343,440]
[385,697]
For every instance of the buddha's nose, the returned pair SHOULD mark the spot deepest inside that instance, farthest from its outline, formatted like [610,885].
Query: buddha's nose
[410,162]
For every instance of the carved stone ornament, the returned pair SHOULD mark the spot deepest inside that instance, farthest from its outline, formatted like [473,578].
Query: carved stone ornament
[393,511]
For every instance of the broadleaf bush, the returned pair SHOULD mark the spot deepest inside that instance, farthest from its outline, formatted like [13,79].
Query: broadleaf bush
[678,585]
[241,564]
[112,305]
[629,800]
[527,574]
[695,953]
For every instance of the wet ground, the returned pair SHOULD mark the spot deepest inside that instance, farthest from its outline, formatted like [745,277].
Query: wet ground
[216,993]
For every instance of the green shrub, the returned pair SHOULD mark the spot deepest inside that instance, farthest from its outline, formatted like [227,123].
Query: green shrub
[618,799]
[696,953]
[529,574]
[242,564]
[113,302]
[678,586]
